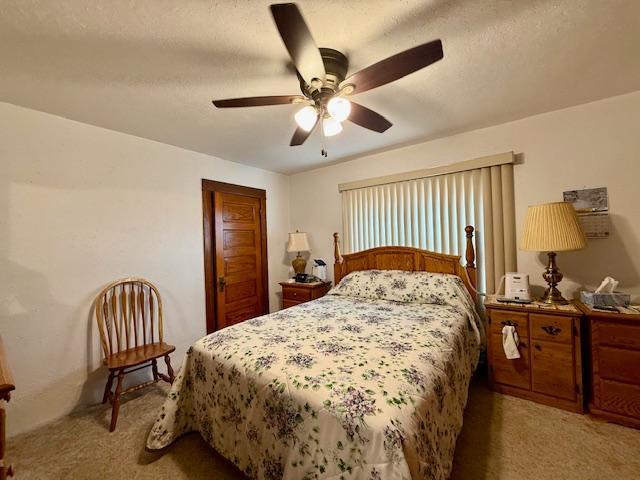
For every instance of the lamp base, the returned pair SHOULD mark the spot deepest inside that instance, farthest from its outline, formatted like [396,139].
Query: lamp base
[553,296]
[553,277]
[299,264]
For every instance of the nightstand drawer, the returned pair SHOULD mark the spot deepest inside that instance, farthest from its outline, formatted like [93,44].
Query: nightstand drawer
[299,294]
[518,319]
[551,327]
[290,303]
[618,364]
[618,335]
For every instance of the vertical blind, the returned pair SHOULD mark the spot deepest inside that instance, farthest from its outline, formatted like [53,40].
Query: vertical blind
[431,213]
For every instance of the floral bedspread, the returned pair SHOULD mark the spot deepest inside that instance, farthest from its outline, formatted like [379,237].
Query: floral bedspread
[344,387]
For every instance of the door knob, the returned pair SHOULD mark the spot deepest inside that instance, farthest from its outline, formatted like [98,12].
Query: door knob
[221,283]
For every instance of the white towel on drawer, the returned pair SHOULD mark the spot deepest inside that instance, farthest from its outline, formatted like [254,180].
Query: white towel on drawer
[510,342]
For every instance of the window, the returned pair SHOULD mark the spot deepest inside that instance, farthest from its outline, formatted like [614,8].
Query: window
[431,212]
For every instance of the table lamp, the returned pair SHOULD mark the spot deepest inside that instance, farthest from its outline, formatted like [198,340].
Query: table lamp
[551,228]
[298,243]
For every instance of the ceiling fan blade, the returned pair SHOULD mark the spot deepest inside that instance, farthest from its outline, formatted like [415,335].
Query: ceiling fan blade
[395,67]
[367,118]
[300,135]
[298,40]
[257,101]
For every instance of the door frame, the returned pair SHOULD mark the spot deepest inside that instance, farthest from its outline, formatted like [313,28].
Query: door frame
[209,187]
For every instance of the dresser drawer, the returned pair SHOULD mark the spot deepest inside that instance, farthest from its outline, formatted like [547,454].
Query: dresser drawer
[299,294]
[619,364]
[617,334]
[551,328]
[515,373]
[518,319]
[620,398]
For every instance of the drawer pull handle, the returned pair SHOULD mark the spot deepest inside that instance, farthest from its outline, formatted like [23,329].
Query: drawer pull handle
[538,347]
[508,323]
[551,330]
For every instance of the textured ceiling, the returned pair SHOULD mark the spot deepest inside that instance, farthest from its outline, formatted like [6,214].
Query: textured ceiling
[151,67]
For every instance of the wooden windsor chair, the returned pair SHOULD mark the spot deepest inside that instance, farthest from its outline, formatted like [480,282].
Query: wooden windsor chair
[130,322]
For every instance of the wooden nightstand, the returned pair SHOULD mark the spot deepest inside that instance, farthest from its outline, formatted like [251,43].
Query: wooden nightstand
[297,293]
[549,369]
[614,365]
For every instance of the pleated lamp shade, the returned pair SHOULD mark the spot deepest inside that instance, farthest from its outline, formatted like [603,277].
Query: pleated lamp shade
[298,242]
[552,227]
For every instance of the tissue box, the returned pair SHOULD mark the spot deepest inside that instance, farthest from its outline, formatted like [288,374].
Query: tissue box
[615,299]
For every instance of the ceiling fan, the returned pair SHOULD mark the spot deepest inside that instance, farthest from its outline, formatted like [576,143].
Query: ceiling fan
[322,73]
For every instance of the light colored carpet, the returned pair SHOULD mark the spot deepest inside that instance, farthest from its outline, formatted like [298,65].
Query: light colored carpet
[502,438]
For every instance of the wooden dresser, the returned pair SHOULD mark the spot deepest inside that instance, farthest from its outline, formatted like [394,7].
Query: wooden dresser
[296,293]
[549,369]
[614,345]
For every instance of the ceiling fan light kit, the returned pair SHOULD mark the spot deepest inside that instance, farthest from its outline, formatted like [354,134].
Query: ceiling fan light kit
[306,118]
[324,84]
[331,127]
[339,108]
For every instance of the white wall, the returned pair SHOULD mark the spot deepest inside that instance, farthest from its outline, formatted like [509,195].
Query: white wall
[81,206]
[592,145]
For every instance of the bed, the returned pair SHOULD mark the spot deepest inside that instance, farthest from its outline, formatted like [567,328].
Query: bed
[368,382]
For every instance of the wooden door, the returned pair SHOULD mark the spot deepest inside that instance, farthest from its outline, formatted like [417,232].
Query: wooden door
[237,261]
[515,373]
[552,370]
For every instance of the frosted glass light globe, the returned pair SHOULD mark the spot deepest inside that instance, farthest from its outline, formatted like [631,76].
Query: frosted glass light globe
[331,127]
[306,118]
[339,108]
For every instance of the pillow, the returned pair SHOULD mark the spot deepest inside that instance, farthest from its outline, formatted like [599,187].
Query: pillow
[412,287]
[403,286]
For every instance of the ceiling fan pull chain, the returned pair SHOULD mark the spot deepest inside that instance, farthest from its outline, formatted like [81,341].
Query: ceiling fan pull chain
[323,152]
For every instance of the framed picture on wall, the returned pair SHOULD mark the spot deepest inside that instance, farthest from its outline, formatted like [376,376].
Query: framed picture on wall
[592,207]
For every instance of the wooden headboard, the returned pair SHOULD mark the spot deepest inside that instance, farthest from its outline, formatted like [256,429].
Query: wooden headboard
[408,258]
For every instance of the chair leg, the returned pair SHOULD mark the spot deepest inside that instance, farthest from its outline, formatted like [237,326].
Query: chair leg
[154,368]
[169,369]
[107,387]
[116,401]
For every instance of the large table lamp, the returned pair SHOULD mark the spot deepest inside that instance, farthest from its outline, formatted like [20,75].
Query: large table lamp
[298,242]
[551,228]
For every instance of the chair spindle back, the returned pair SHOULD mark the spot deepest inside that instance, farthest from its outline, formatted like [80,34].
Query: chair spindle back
[129,315]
